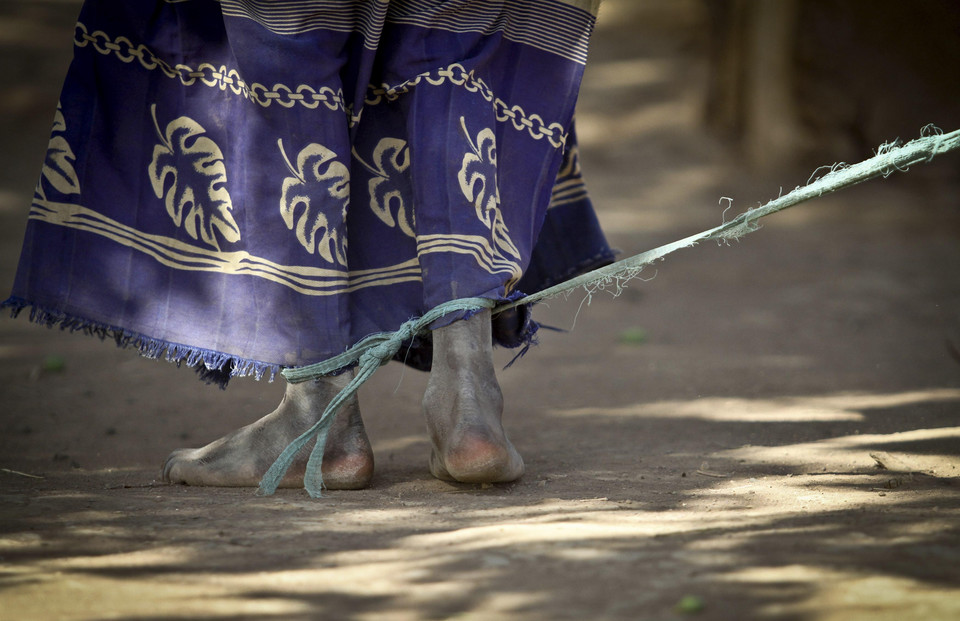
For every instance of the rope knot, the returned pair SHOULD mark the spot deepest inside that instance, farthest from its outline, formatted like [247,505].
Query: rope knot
[381,354]
[370,353]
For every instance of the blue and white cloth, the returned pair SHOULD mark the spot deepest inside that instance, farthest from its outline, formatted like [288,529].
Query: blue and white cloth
[246,185]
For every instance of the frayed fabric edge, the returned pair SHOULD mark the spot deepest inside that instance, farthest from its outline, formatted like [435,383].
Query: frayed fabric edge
[213,367]
[515,328]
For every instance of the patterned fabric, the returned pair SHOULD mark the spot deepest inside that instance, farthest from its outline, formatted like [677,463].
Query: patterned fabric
[253,184]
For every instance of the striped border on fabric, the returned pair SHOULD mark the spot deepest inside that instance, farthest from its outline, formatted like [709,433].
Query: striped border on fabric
[290,17]
[306,280]
[554,26]
[178,255]
[560,27]
[478,247]
[569,187]
[566,192]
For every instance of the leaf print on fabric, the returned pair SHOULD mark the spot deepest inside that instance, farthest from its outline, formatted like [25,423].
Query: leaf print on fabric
[316,199]
[59,124]
[478,181]
[391,197]
[188,172]
[58,168]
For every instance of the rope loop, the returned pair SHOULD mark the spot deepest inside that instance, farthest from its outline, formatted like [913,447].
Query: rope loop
[369,354]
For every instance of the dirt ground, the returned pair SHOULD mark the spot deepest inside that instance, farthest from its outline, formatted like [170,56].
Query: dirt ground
[766,430]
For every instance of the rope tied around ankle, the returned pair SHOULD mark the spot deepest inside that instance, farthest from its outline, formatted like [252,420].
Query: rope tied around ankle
[378,349]
[369,354]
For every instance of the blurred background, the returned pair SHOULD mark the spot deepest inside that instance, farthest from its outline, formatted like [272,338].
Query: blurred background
[810,80]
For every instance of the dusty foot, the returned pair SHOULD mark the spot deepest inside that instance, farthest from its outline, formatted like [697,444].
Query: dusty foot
[240,459]
[463,407]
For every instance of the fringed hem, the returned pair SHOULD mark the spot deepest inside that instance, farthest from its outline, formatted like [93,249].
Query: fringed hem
[213,367]
[512,329]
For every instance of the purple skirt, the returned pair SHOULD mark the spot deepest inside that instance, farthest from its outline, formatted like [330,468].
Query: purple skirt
[245,185]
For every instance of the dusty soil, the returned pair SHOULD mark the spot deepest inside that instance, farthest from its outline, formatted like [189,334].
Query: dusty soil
[765,430]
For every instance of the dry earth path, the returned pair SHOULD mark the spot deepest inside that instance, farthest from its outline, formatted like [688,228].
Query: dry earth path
[766,430]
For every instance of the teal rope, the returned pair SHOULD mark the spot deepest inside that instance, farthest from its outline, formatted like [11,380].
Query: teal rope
[377,349]
[890,158]
[370,354]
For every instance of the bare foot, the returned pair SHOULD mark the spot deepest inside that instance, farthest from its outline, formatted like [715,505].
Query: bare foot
[240,458]
[463,407]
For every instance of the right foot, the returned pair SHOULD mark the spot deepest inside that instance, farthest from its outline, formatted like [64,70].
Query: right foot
[463,406]
[241,458]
